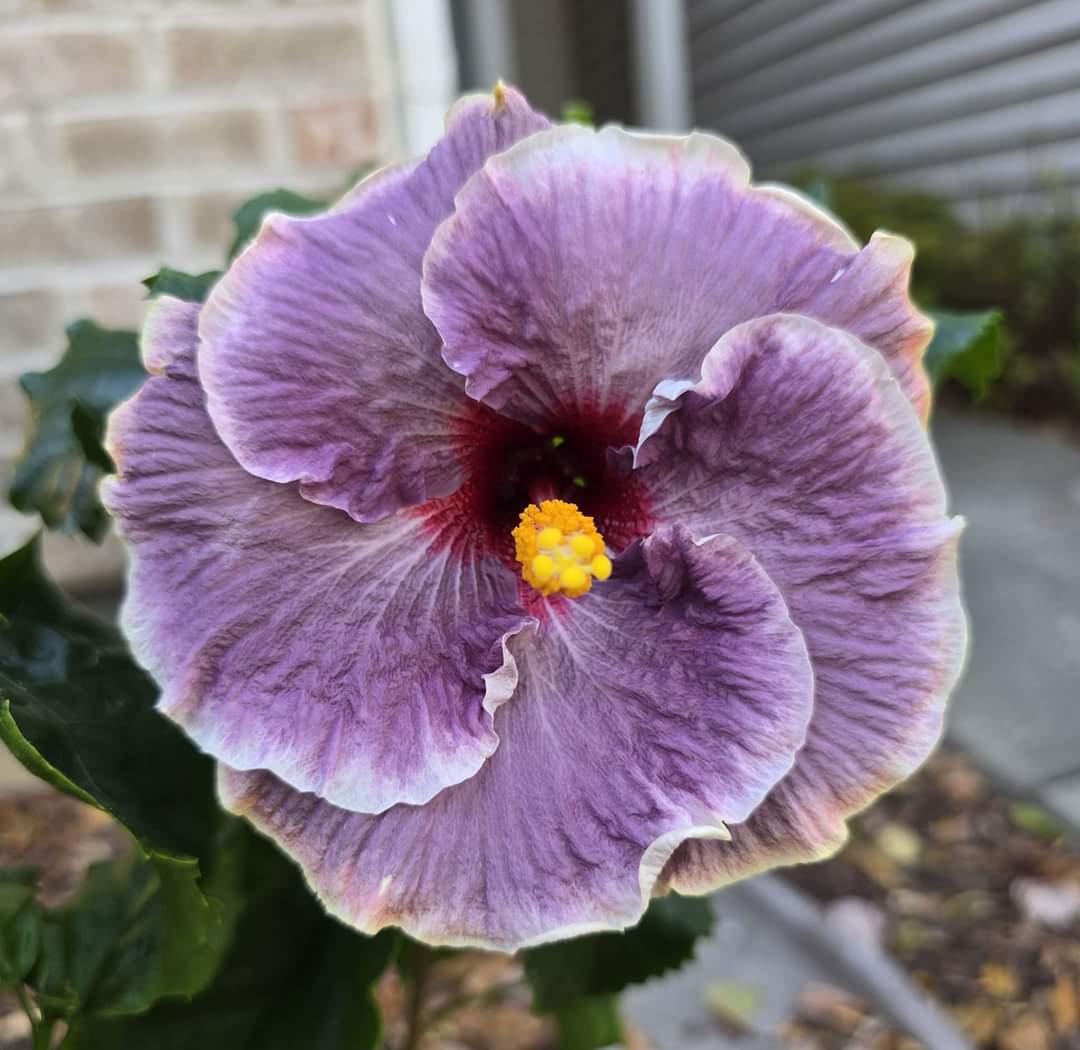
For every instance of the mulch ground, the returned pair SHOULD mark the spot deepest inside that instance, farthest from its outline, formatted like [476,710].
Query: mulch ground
[975,894]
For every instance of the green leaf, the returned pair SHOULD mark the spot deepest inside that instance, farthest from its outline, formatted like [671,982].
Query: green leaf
[293,977]
[1030,817]
[589,1024]
[138,930]
[79,713]
[968,347]
[89,431]
[578,111]
[191,287]
[249,216]
[735,1004]
[605,963]
[20,923]
[54,477]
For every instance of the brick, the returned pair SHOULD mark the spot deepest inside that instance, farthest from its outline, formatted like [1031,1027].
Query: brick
[319,3]
[232,137]
[13,149]
[268,56]
[210,220]
[33,7]
[169,142]
[338,134]
[78,233]
[117,305]
[99,147]
[28,320]
[210,214]
[41,66]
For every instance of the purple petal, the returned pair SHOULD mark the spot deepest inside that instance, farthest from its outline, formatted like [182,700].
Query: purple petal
[581,268]
[318,362]
[658,707]
[869,298]
[349,659]
[799,443]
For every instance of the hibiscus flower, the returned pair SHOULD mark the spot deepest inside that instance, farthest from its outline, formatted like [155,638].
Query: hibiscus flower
[549,525]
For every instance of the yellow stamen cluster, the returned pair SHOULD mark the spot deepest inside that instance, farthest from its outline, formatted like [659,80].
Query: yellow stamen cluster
[559,549]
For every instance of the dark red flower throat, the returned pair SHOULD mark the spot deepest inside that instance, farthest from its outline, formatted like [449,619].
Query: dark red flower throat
[509,465]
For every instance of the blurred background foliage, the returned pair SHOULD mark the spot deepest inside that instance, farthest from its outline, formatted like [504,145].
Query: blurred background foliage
[1025,266]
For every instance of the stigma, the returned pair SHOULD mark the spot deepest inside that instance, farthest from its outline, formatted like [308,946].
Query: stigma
[559,549]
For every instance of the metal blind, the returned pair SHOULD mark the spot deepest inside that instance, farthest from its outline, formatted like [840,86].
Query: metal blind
[978,100]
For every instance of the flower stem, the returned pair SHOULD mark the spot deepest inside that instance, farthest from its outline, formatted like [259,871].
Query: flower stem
[41,1028]
[43,1035]
[24,1002]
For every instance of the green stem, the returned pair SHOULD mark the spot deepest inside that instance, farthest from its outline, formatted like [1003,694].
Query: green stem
[43,1035]
[41,1027]
[24,1002]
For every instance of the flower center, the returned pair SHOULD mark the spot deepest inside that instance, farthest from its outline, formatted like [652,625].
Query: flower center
[559,549]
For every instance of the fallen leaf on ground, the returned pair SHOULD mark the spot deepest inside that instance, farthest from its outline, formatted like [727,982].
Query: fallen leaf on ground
[999,980]
[1055,905]
[899,843]
[734,1004]
[1031,817]
[1025,1033]
[828,1005]
[1065,1006]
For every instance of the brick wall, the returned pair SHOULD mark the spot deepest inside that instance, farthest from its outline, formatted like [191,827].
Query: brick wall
[130,130]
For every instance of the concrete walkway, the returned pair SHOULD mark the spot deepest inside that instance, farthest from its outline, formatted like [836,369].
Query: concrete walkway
[1017,708]
[771,942]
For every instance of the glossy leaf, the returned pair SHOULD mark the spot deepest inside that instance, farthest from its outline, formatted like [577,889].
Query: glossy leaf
[605,963]
[249,216]
[79,713]
[293,977]
[138,930]
[192,288]
[54,477]
[968,347]
[89,431]
[20,923]
[589,1024]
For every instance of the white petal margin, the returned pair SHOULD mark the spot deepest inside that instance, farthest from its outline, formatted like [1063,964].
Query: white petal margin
[800,442]
[318,362]
[657,708]
[349,659]
[580,268]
